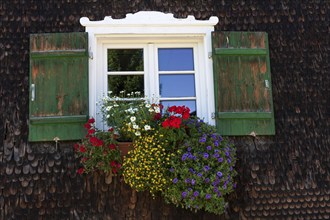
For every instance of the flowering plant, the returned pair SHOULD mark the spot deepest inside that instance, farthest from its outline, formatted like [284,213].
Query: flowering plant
[98,151]
[201,170]
[130,115]
[147,165]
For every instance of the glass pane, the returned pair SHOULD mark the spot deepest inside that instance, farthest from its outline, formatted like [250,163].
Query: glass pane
[191,104]
[171,59]
[178,85]
[125,59]
[128,83]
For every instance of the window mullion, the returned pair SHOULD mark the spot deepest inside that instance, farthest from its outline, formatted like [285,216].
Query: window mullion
[152,82]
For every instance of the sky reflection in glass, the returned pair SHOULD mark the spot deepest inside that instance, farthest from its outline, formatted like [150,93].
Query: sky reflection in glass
[175,59]
[178,85]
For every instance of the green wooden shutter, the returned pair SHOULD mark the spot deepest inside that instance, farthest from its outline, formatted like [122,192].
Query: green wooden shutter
[242,83]
[58,86]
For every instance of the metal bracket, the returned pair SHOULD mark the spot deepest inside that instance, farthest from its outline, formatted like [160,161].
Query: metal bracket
[213,115]
[90,54]
[267,83]
[56,139]
[33,92]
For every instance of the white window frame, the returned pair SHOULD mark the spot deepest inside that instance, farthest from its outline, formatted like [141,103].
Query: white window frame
[153,27]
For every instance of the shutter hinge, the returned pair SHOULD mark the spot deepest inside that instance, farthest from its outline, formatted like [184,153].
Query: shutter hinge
[210,55]
[213,115]
[90,54]
[267,83]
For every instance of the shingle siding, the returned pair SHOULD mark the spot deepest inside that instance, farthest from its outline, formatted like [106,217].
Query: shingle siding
[282,177]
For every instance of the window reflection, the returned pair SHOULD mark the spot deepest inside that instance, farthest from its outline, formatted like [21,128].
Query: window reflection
[129,83]
[125,59]
[175,59]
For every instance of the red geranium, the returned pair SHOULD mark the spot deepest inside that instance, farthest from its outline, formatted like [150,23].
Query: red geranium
[76,147]
[91,121]
[80,170]
[82,149]
[96,142]
[112,146]
[91,131]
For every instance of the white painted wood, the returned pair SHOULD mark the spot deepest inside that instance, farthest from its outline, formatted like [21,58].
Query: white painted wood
[150,28]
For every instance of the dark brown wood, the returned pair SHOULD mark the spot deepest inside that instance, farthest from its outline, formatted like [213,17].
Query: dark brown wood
[39,181]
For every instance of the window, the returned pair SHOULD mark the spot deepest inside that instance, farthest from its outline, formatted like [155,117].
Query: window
[224,77]
[168,73]
[153,52]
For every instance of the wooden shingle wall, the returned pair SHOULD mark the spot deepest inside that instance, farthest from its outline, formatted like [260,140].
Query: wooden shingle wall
[282,177]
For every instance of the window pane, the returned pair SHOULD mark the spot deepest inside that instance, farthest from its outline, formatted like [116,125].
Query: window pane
[128,83]
[178,85]
[191,104]
[171,59]
[125,59]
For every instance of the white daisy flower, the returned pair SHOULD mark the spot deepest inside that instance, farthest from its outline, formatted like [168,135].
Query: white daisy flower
[147,127]
[133,119]
[157,109]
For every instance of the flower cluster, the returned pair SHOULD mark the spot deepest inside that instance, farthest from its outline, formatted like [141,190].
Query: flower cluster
[98,151]
[202,170]
[174,154]
[130,115]
[146,166]
[176,114]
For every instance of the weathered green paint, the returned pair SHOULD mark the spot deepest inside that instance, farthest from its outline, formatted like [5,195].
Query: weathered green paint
[241,72]
[59,73]
[241,52]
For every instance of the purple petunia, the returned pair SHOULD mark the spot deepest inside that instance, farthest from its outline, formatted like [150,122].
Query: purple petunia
[196,193]
[184,194]
[199,174]
[220,160]
[206,155]
[219,174]
[206,168]
[193,182]
[207,196]
[209,148]
[207,180]
[202,140]
[175,180]
[171,169]
[187,180]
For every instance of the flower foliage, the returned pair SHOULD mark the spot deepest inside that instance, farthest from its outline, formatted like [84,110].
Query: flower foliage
[130,115]
[98,151]
[202,170]
[145,167]
[174,154]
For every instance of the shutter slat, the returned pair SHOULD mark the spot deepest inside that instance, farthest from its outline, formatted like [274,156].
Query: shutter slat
[59,77]
[248,52]
[242,83]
